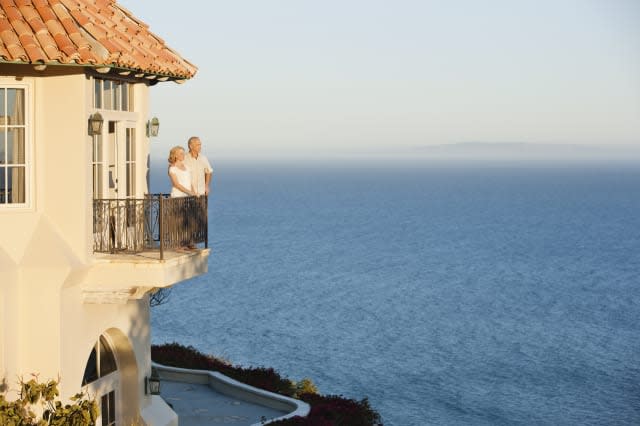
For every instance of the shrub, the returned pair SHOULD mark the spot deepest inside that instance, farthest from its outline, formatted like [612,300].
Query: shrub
[81,412]
[176,355]
[334,410]
[326,410]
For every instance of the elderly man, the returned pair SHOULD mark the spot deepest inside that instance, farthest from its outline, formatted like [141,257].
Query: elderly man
[201,170]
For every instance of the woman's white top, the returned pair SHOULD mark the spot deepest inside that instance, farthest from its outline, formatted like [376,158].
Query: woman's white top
[184,179]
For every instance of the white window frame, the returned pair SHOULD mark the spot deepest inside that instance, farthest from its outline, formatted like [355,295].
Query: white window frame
[28,146]
[115,100]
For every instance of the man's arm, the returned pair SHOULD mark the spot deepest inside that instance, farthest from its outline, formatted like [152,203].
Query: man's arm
[207,180]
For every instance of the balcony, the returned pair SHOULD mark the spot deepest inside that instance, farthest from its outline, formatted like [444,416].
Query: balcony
[141,245]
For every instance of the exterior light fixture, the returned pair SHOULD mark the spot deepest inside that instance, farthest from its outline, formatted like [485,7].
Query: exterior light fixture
[95,124]
[152,383]
[153,126]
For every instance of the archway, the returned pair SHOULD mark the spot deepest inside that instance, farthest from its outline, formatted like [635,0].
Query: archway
[111,375]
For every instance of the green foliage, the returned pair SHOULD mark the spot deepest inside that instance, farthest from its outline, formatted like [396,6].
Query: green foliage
[81,412]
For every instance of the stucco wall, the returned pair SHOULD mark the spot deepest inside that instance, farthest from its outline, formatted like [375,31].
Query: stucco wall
[46,251]
[45,244]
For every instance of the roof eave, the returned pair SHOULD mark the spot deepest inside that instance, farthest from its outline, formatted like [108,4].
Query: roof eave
[109,70]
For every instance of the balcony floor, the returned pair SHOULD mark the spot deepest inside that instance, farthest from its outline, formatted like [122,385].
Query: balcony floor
[147,256]
[198,404]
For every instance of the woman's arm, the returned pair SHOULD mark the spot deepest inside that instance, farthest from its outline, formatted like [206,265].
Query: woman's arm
[176,184]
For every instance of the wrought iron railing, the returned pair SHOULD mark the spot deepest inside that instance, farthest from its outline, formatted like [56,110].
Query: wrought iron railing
[156,222]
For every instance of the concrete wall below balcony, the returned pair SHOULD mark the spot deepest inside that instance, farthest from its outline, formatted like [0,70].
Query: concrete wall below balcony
[117,278]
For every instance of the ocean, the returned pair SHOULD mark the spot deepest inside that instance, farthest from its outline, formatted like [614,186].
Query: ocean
[448,294]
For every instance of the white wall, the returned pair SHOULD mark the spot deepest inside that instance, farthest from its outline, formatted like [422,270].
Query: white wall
[46,250]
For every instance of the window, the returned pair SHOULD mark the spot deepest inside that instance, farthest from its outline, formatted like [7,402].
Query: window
[108,409]
[100,380]
[14,170]
[112,95]
[101,362]
[107,97]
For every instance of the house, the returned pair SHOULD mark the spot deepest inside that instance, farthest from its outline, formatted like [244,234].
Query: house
[82,243]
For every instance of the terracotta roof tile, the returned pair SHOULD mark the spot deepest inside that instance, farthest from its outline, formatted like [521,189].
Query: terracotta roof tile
[17,51]
[10,39]
[29,13]
[37,25]
[85,32]
[45,13]
[35,53]
[51,50]
[55,28]
[45,40]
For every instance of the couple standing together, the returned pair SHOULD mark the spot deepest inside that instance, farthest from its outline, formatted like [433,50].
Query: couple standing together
[190,173]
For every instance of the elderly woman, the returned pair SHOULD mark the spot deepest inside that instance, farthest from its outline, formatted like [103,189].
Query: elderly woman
[181,186]
[179,174]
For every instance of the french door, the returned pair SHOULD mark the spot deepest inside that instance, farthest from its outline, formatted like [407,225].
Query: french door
[116,223]
[121,160]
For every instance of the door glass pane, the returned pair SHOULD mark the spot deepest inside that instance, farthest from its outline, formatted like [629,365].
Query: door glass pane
[130,145]
[97,93]
[3,145]
[117,87]
[97,148]
[125,97]
[112,408]
[130,180]
[3,110]
[104,409]
[108,409]
[3,188]
[107,94]
[98,184]
[15,146]
[98,167]
[130,161]
[16,184]
[15,106]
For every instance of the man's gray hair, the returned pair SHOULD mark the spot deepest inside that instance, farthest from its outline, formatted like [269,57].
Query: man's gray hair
[191,140]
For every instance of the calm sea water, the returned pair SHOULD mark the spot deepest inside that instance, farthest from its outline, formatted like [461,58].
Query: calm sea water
[448,295]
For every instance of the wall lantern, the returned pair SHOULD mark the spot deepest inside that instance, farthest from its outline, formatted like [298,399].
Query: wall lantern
[95,124]
[152,383]
[153,126]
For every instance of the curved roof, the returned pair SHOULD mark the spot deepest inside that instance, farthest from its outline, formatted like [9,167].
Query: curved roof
[97,33]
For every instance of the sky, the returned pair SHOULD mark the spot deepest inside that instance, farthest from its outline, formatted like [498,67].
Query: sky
[288,78]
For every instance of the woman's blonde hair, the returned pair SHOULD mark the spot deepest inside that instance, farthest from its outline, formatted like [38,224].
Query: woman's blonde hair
[173,154]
